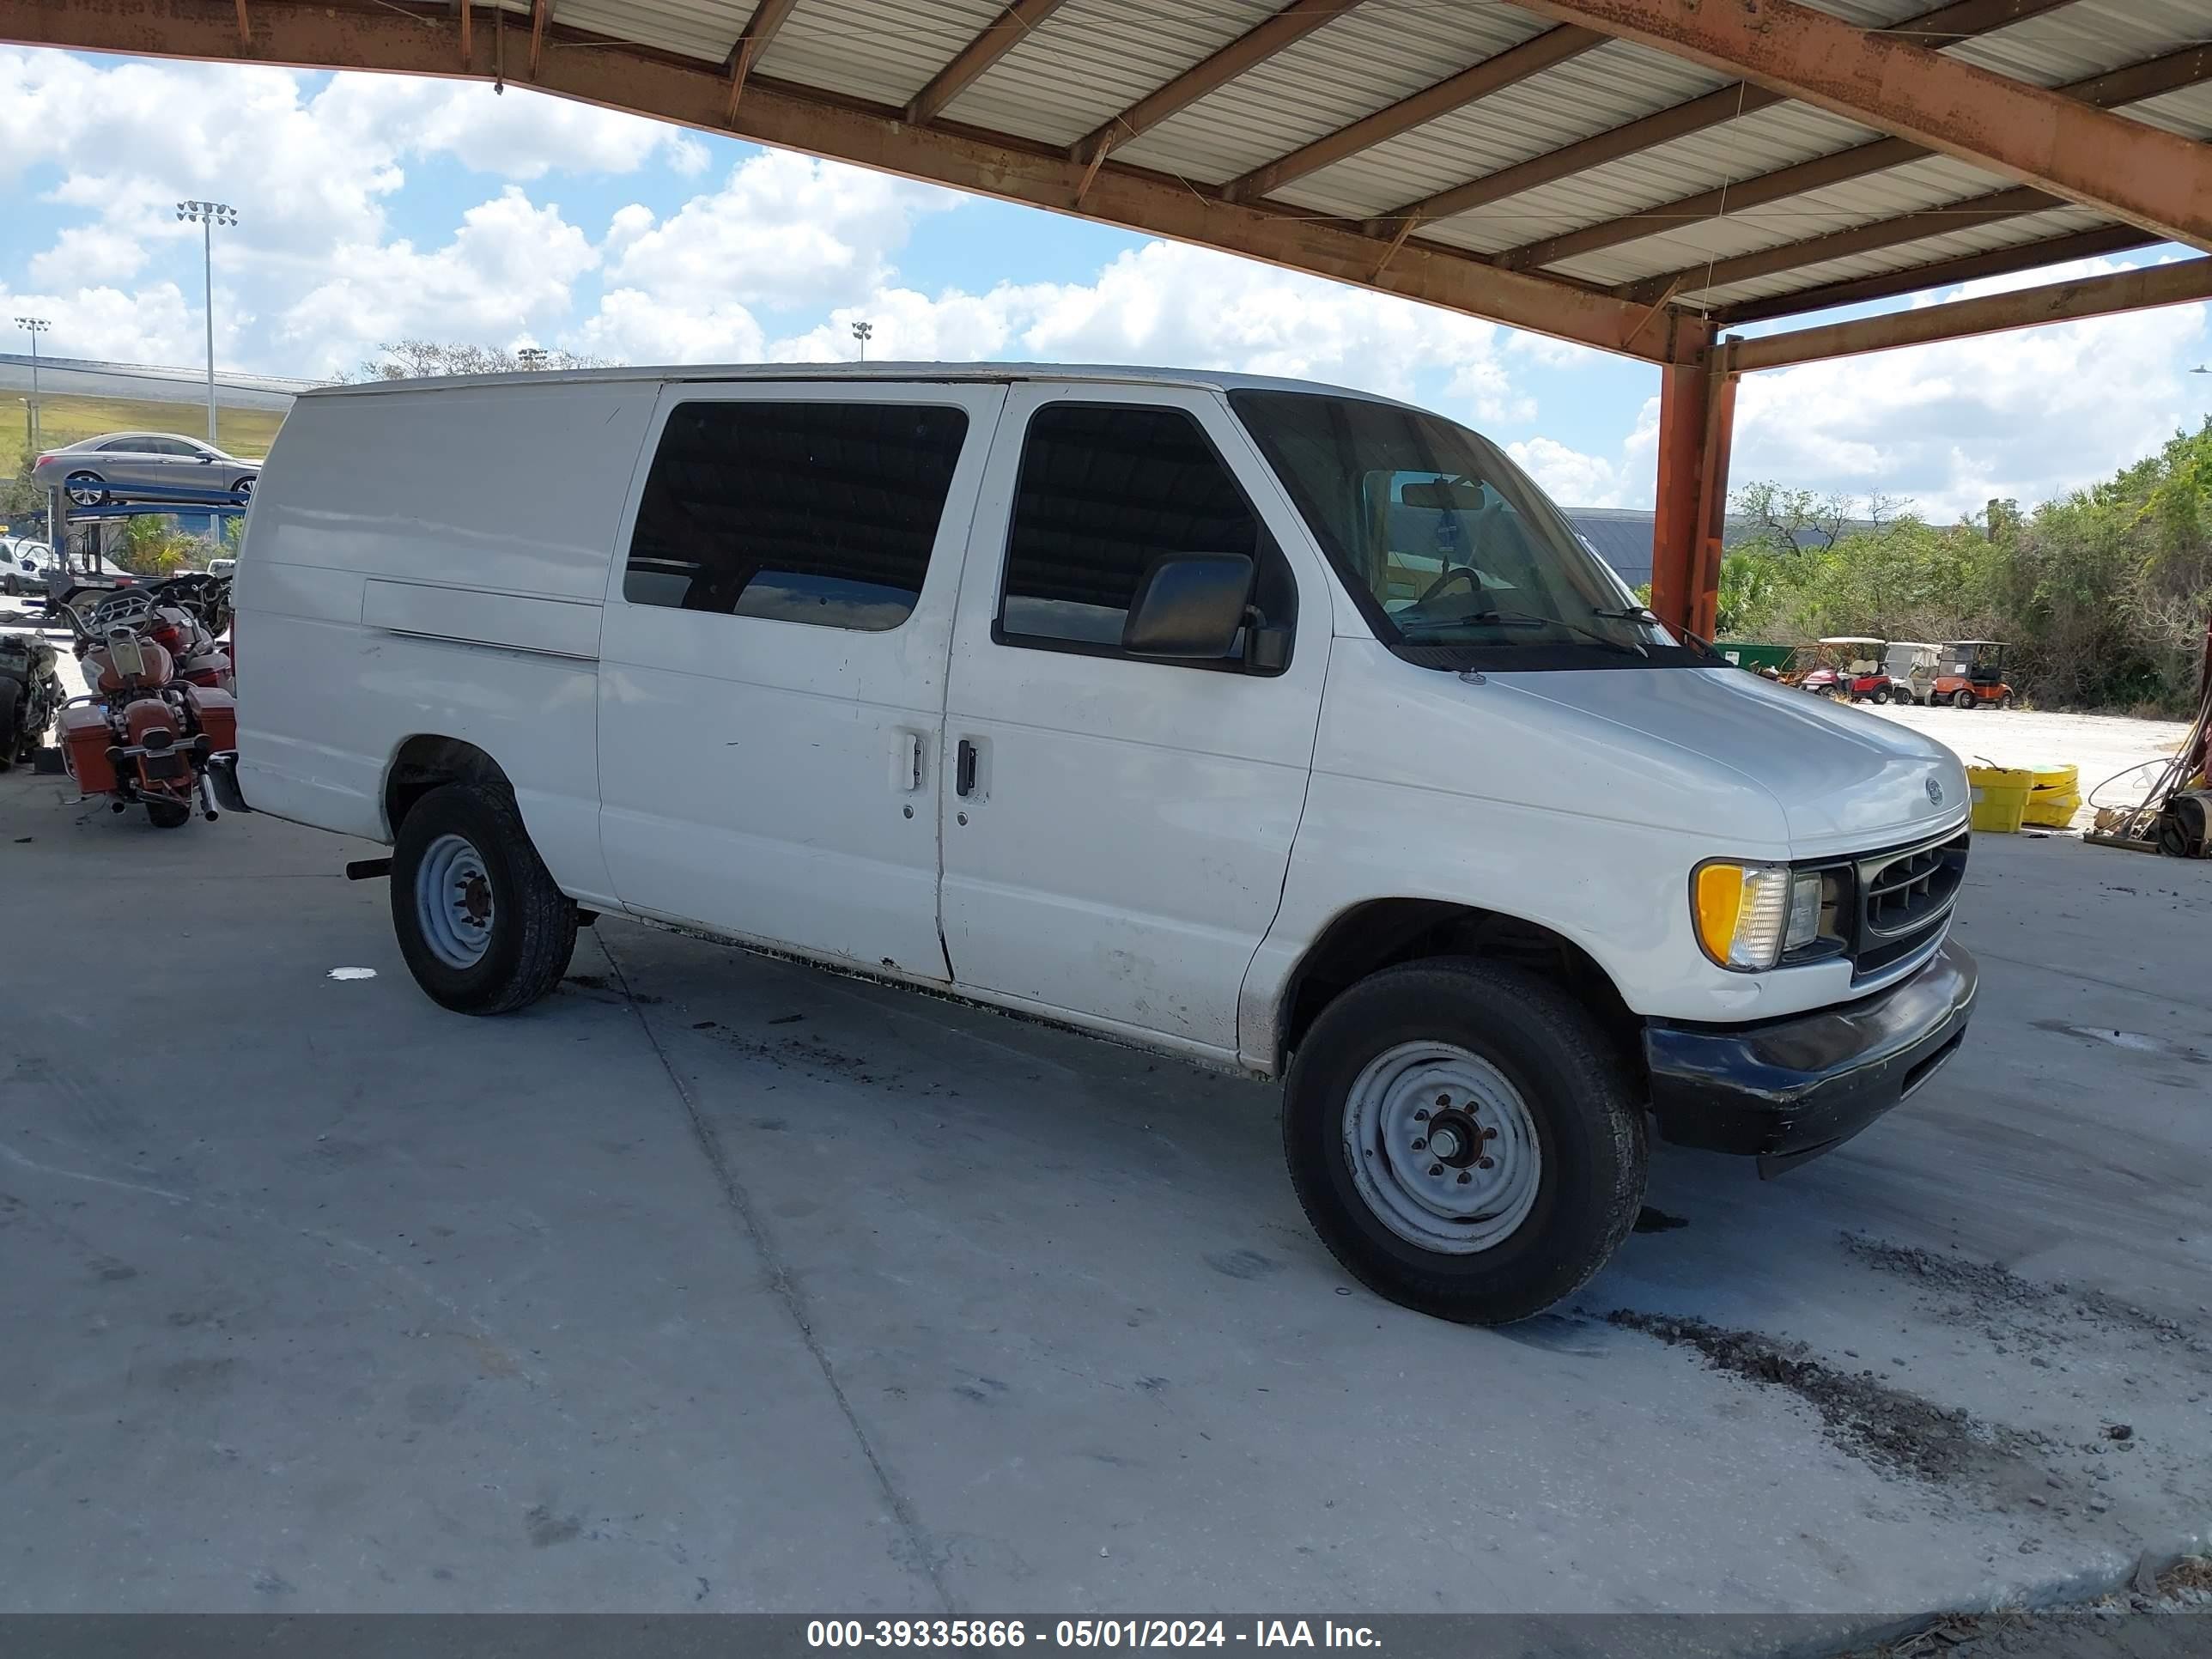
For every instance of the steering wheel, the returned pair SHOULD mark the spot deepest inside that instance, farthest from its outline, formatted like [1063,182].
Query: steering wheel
[1474,580]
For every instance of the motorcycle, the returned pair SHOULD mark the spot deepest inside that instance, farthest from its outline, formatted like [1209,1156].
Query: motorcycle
[30,694]
[160,702]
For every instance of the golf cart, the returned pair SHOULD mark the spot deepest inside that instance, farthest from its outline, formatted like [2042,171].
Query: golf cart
[1971,675]
[1848,666]
[1911,666]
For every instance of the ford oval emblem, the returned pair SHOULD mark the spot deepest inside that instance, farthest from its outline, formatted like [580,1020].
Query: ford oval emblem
[1935,793]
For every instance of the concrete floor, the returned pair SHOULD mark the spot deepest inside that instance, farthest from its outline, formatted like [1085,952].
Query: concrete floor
[715,1283]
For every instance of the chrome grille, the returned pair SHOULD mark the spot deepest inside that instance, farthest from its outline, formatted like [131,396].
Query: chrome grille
[1904,900]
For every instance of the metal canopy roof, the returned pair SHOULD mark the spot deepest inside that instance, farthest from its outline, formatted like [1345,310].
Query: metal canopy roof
[1624,172]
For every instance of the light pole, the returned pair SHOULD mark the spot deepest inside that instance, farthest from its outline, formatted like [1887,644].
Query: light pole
[862,332]
[207,216]
[34,326]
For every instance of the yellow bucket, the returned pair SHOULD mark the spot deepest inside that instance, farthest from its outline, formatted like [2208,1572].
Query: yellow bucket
[2056,797]
[2000,795]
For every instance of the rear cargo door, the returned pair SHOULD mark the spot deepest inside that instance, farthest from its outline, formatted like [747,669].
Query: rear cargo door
[773,662]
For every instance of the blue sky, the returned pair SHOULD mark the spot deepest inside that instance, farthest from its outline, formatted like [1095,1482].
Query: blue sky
[377,208]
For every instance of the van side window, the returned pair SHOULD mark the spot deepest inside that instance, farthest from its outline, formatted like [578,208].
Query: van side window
[806,512]
[1105,489]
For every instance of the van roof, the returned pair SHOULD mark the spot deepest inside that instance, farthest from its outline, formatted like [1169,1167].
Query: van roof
[1204,379]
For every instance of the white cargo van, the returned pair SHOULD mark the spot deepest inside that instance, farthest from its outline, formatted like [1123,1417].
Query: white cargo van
[1280,728]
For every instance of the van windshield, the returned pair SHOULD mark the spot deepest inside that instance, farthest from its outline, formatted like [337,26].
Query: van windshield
[1456,558]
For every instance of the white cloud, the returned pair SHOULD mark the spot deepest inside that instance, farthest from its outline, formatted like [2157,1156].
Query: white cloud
[88,253]
[782,230]
[313,163]
[2029,415]
[1164,303]
[632,328]
[1574,479]
[510,263]
[519,134]
[153,324]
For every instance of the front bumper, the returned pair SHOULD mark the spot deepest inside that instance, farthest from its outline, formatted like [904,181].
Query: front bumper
[1786,1090]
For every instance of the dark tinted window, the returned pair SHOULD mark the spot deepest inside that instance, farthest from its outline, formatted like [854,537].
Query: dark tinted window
[1105,489]
[807,512]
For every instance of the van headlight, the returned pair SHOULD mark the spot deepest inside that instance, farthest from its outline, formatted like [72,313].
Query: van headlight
[1749,916]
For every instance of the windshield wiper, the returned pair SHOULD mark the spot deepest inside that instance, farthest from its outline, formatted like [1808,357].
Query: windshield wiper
[1643,613]
[1520,619]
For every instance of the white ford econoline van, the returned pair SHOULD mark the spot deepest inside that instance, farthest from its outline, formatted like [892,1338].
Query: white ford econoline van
[1281,728]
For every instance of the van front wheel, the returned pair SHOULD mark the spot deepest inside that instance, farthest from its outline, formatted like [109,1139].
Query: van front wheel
[1464,1140]
[482,926]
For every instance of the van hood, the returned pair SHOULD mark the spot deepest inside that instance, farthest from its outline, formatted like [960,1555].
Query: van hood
[1846,780]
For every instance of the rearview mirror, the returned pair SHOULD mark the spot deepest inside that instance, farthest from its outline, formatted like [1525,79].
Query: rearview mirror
[1188,606]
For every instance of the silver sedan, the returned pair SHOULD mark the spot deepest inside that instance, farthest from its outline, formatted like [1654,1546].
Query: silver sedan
[165,466]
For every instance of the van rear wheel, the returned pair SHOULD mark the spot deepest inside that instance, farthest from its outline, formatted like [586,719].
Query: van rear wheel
[1464,1140]
[482,925]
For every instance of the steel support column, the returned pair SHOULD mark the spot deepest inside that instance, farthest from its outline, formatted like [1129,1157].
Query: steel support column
[1712,495]
[1675,517]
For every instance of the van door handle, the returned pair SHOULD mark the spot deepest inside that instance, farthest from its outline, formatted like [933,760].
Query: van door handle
[963,776]
[907,762]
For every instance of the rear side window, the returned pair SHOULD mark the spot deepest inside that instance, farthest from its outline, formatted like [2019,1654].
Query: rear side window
[1105,489]
[823,513]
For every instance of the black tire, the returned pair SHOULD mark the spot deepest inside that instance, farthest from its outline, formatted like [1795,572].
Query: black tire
[1587,1118]
[2004,700]
[1962,698]
[9,586]
[85,489]
[533,923]
[242,487]
[11,740]
[168,814]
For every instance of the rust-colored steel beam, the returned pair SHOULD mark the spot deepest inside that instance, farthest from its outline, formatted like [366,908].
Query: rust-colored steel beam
[541,13]
[1968,268]
[2182,283]
[1959,21]
[465,8]
[760,28]
[1010,28]
[2143,175]
[1893,231]
[245,28]
[1256,45]
[2137,82]
[1494,74]
[1683,408]
[1712,491]
[664,88]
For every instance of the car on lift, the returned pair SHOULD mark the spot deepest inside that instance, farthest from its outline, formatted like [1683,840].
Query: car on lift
[1849,667]
[1970,674]
[123,464]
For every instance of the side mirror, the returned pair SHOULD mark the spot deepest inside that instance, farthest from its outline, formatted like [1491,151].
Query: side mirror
[1188,606]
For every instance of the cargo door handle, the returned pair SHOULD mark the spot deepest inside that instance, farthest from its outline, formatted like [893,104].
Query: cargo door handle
[963,776]
[907,762]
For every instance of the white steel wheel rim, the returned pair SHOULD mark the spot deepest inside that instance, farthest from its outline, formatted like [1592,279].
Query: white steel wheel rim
[454,908]
[1442,1148]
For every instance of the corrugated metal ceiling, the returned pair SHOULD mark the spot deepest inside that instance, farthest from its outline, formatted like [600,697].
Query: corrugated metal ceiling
[1089,60]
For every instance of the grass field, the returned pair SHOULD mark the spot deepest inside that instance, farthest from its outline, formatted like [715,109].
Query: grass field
[245,432]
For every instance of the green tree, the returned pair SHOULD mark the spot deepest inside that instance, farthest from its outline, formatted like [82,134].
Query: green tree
[414,360]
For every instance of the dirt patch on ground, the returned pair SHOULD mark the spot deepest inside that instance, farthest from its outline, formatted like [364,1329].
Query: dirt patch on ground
[1897,1431]
[2008,1308]
[2135,1623]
